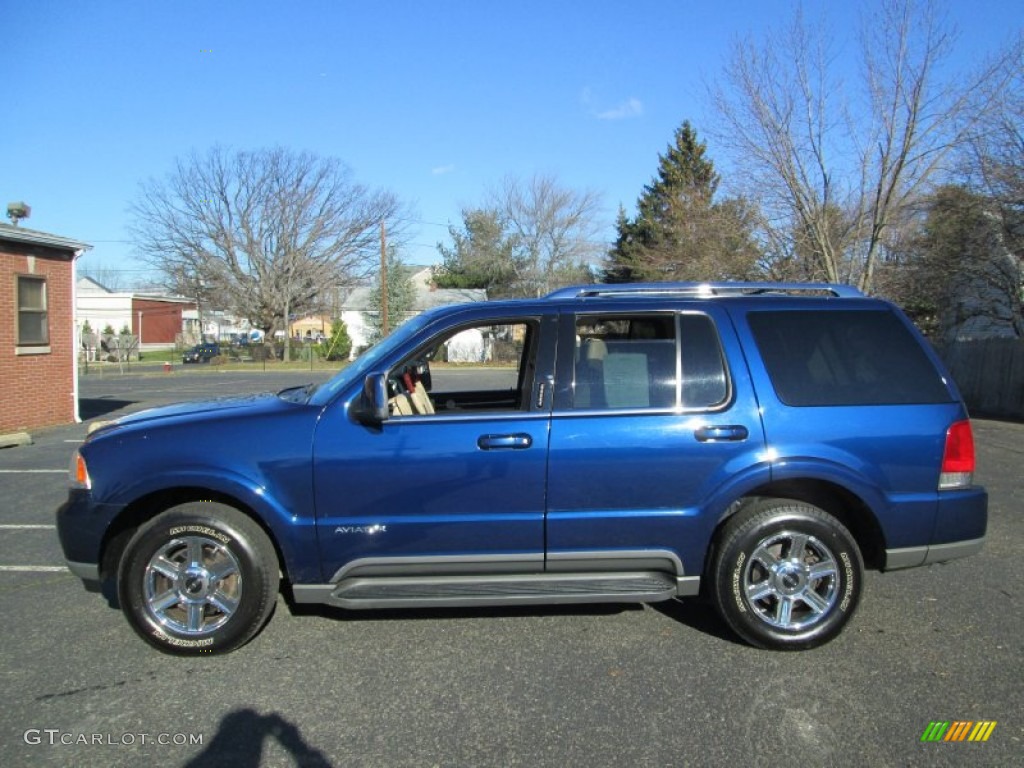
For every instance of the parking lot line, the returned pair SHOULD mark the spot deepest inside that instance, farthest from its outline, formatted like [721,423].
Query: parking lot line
[33,471]
[33,568]
[26,526]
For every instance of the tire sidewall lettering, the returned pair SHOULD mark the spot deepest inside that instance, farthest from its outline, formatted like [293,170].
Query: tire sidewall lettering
[179,642]
[737,578]
[204,530]
[848,581]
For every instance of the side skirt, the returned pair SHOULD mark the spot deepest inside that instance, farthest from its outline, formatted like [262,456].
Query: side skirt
[448,591]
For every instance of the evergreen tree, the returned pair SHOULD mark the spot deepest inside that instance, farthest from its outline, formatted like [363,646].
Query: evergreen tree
[338,345]
[680,232]
[957,269]
[482,255]
[623,256]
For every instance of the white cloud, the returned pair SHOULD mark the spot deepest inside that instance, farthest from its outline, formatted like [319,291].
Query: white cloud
[632,107]
[441,170]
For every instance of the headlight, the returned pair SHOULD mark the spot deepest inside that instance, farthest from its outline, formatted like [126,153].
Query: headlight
[78,473]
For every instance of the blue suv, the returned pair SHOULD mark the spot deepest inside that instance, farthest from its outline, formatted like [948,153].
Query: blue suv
[757,445]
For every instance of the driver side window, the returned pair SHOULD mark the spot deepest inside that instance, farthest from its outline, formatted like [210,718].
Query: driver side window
[486,367]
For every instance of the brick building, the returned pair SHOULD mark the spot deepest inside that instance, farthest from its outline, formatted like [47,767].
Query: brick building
[38,367]
[157,321]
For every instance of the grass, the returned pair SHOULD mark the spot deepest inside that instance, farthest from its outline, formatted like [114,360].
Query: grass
[154,362]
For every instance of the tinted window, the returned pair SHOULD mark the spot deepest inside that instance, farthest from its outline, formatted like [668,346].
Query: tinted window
[841,357]
[704,381]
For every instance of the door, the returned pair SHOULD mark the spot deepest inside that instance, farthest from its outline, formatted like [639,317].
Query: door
[649,425]
[453,481]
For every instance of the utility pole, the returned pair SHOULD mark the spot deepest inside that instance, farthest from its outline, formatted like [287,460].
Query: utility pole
[384,326]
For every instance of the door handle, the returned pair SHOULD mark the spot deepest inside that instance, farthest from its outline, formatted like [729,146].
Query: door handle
[498,442]
[709,434]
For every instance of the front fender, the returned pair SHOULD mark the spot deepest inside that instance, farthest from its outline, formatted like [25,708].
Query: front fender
[293,533]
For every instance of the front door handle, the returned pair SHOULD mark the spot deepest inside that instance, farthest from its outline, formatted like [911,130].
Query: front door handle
[497,442]
[714,433]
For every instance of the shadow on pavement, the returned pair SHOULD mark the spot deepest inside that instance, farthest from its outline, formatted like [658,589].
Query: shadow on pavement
[90,408]
[240,738]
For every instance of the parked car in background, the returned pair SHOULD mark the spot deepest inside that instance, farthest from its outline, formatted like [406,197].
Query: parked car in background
[201,353]
[758,445]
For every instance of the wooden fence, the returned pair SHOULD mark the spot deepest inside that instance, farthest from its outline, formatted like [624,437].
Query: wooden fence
[990,375]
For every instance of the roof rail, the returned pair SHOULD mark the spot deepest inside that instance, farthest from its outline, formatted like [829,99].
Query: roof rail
[703,290]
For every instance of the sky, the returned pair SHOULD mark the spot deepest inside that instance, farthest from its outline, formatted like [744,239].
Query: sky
[435,101]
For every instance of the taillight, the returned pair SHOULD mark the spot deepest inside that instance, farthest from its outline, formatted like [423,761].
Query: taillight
[958,457]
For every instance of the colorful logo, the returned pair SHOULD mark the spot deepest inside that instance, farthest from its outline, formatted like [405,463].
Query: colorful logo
[958,730]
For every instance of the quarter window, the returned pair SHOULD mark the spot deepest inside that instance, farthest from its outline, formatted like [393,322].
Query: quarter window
[33,324]
[845,357]
[705,384]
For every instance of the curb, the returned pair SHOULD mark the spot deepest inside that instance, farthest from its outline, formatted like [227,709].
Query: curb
[15,438]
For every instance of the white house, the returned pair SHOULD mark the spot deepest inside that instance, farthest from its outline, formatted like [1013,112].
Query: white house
[157,321]
[357,307]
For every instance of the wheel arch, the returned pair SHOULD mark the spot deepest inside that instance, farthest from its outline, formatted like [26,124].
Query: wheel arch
[145,508]
[840,502]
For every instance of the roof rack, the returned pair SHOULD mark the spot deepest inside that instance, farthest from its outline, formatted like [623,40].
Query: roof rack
[703,290]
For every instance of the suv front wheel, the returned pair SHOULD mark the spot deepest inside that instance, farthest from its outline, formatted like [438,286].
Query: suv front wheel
[199,578]
[787,575]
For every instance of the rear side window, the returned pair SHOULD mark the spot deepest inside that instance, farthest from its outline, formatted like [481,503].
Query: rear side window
[635,361]
[845,357]
[625,362]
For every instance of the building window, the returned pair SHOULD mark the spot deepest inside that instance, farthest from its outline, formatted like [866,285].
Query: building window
[33,325]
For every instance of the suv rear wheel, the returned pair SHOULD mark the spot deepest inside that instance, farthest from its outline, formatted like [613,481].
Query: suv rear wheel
[787,575]
[199,578]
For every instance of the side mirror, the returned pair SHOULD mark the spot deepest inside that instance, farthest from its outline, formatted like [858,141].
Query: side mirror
[372,407]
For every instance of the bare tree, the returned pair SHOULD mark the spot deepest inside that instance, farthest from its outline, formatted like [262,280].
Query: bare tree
[832,175]
[111,279]
[996,153]
[554,230]
[269,234]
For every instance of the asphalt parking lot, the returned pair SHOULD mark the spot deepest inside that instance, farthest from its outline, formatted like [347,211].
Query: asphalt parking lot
[663,685]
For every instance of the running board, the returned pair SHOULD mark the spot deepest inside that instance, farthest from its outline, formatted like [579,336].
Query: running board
[499,589]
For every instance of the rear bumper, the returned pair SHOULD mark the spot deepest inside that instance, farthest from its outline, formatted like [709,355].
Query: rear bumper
[960,525]
[912,557]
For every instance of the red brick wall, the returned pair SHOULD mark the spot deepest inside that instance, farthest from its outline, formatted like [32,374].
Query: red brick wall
[36,390]
[161,320]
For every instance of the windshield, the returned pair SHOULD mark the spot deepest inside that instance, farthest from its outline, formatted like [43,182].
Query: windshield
[371,359]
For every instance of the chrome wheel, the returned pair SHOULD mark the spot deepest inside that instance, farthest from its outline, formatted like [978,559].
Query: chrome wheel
[192,585]
[791,580]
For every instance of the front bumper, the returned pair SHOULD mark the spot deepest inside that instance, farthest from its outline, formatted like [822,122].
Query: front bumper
[81,526]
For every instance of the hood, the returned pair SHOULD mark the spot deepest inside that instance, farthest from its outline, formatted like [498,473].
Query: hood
[194,410]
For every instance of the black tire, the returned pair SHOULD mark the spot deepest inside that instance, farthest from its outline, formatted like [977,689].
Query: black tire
[200,578]
[786,575]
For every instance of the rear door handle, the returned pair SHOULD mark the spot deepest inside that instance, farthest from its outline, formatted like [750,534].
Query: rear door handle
[499,442]
[710,434]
